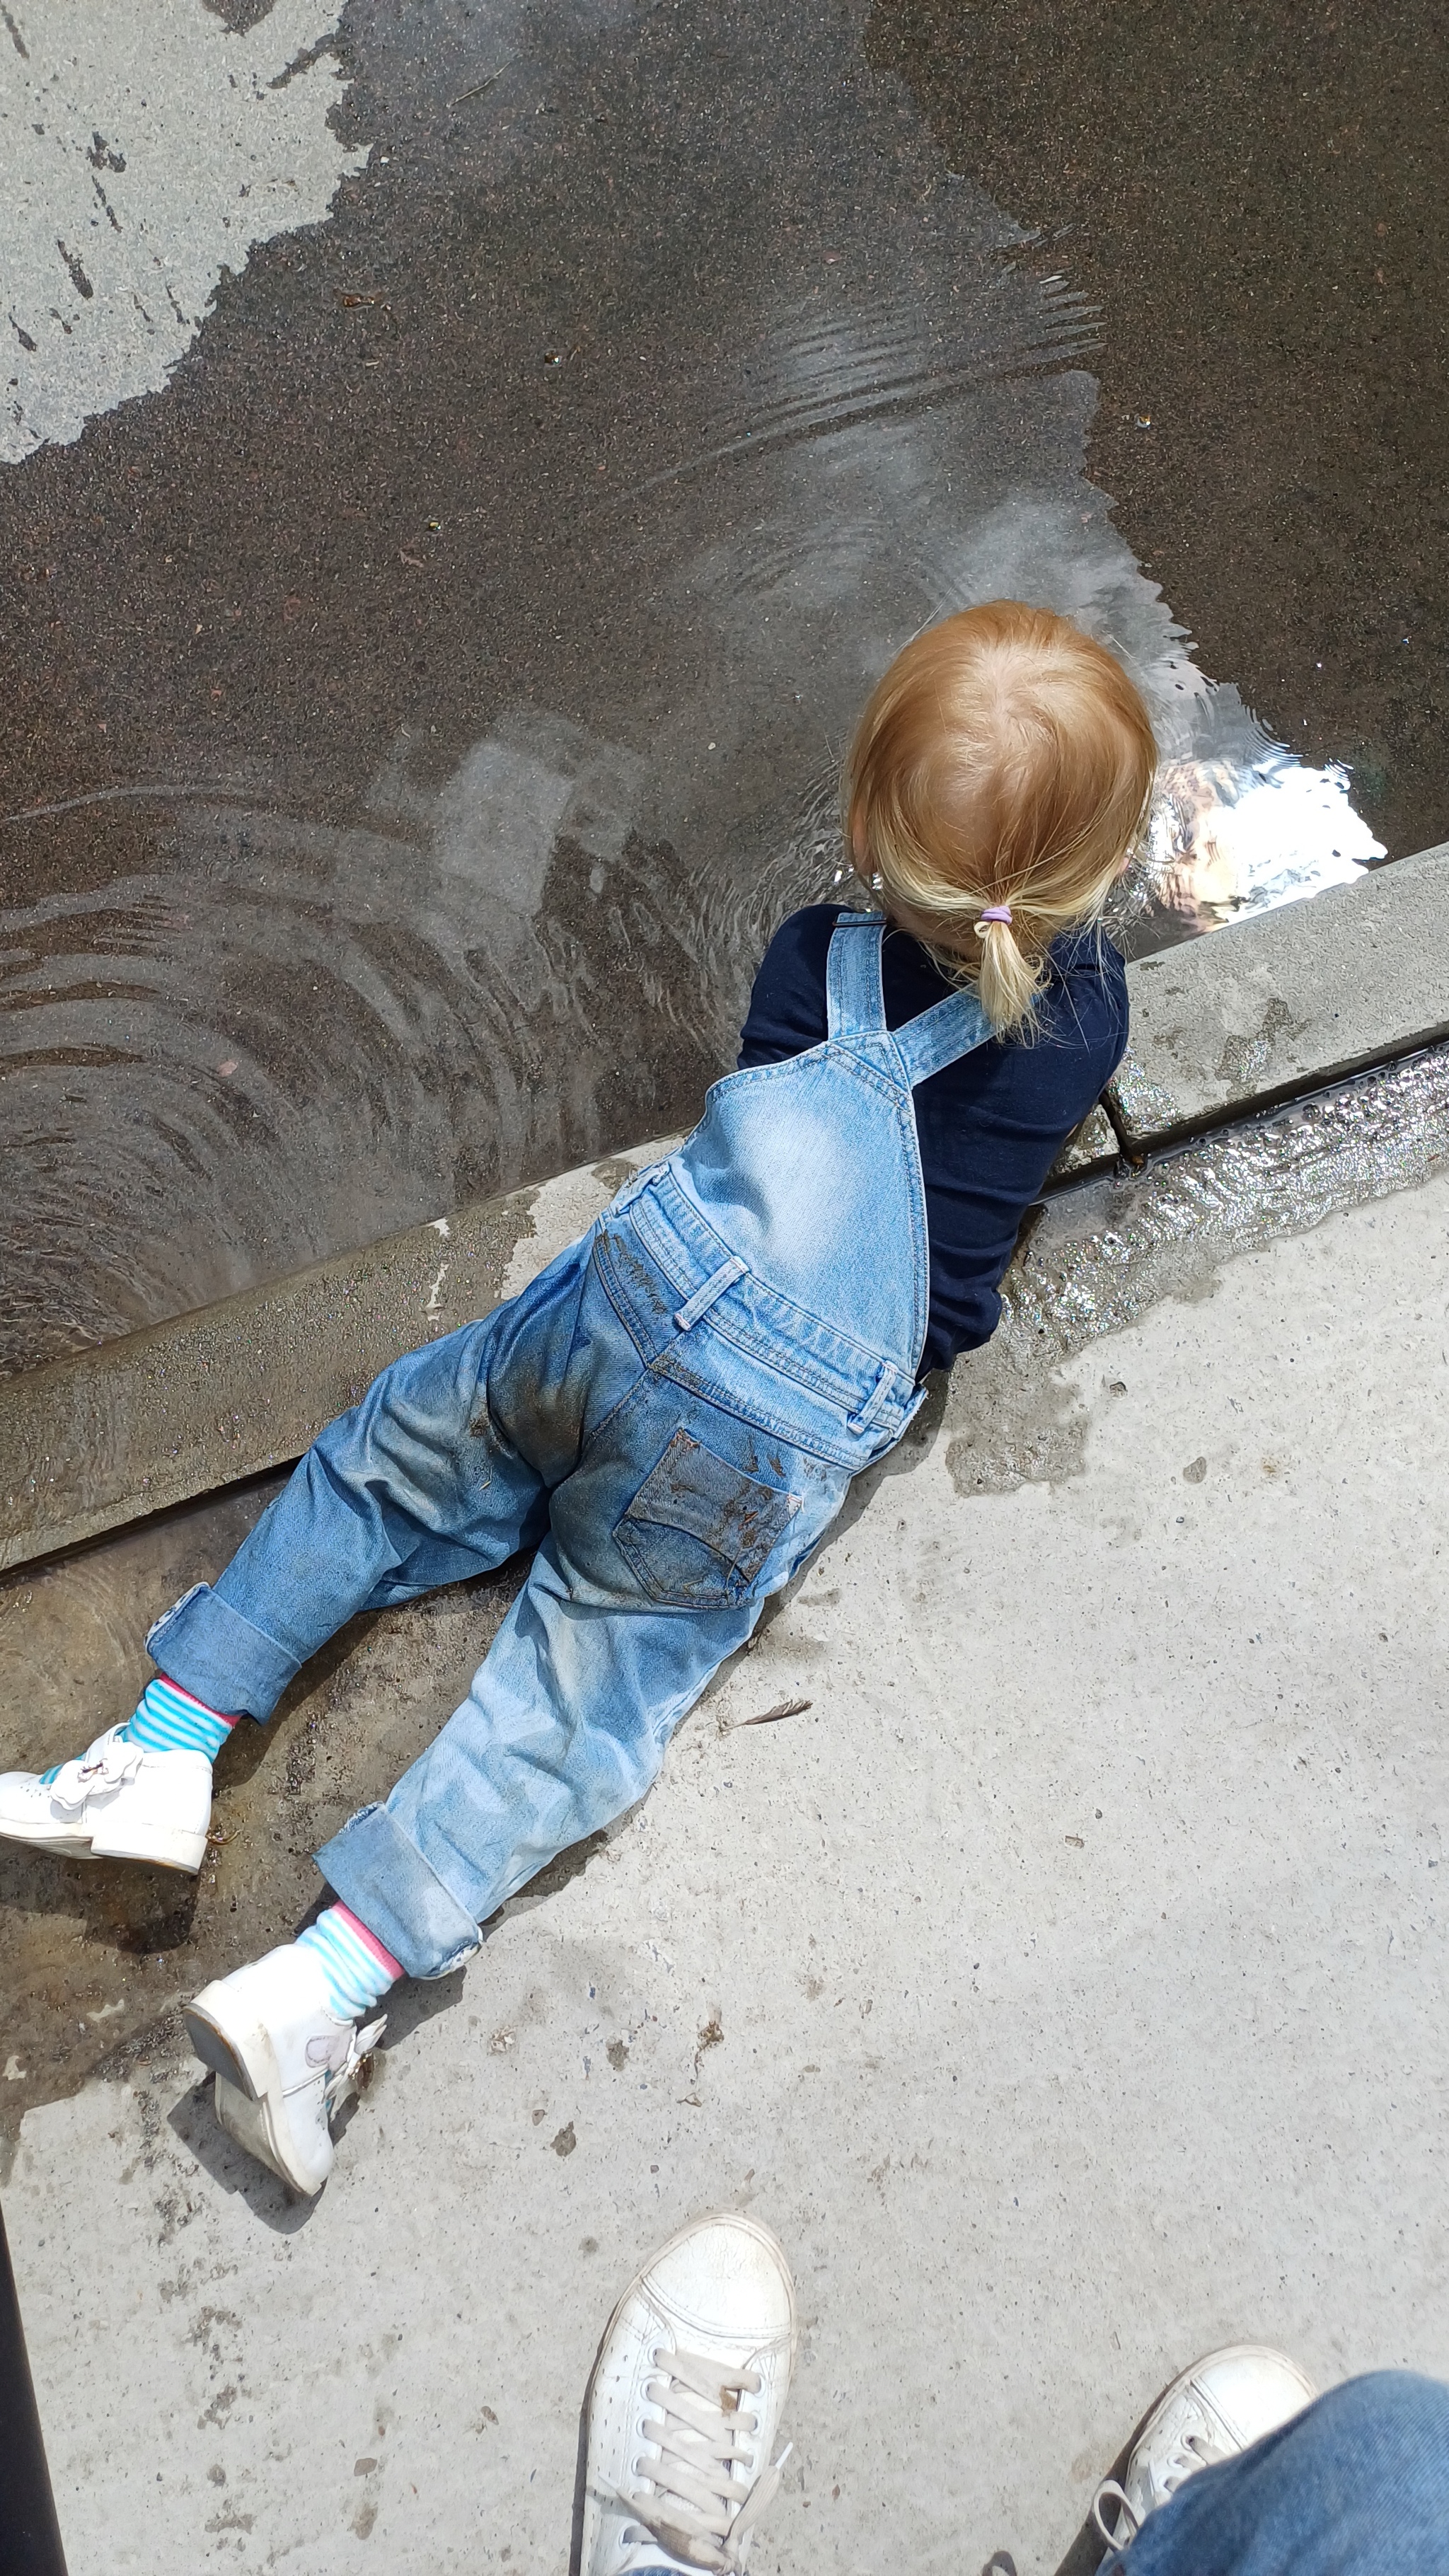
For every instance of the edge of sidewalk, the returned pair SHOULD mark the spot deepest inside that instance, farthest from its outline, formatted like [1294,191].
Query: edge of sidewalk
[1260,1013]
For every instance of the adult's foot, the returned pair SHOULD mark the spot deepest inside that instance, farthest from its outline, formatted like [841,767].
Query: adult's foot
[685,2402]
[1217,2409]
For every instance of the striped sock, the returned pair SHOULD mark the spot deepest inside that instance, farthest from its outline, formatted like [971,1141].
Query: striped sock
[169,1720]
[357,1968]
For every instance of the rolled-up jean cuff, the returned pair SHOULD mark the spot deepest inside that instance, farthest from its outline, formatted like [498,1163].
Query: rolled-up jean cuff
[212,1651]
[374,1868]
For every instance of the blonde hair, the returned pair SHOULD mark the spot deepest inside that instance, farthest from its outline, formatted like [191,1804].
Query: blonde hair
[1005,759]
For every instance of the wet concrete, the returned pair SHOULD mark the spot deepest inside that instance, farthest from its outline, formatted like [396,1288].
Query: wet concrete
[1253,198]
[100,1955]
[97,1955]
[1097,1260]
[422,708]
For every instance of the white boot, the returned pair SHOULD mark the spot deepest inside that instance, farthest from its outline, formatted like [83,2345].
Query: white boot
[685,2401]
[282,2059]
[119,1801]
[1225,2403]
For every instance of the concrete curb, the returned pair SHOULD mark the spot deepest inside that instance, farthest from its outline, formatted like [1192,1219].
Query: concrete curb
[200,1401]
[134,1426]
[1286,1002]
[1279,1005]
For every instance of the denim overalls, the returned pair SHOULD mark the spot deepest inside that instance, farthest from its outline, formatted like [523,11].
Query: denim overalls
[671,1413]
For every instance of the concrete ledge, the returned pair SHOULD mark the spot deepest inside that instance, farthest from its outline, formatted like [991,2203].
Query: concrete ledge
[206,1398]
[1286,1002]
[201,1401]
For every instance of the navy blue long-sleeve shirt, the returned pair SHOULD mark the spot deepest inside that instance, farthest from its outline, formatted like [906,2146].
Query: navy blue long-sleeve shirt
[991,1125]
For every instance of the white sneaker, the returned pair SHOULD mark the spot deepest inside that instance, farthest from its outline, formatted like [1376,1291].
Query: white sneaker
[117,1802]
[685,2401]
[282,2059]
[1225,2403]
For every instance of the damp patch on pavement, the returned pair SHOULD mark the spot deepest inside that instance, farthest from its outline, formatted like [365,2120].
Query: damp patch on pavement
[99,1953]
[1096,1259]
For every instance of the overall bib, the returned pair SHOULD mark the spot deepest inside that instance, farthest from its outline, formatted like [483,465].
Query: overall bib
[671,1414]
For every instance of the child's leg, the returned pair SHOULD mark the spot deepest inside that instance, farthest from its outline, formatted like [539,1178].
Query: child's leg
[675,1522]
[413,1489]
[416,1487]
[645,1584]
[564,1727]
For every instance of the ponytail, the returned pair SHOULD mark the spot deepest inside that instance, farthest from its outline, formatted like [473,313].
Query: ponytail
[1009,981]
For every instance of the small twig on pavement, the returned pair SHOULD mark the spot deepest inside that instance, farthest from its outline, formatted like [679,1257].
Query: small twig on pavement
[771,1716]
[479,86]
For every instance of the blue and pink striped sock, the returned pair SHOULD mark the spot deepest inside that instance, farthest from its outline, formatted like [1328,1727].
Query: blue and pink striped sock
[171,1720]
[357,1968]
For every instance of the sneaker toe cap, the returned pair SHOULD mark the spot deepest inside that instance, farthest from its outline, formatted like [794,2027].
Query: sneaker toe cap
[1253,2389]
[727,2276]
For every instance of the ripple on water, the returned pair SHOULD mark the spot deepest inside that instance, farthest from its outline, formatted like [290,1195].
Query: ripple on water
[270,1023]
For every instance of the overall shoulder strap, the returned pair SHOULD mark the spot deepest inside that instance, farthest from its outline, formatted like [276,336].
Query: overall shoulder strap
[939,1036]
[854,1001]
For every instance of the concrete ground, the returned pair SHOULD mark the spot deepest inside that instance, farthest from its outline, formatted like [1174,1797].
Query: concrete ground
[1064,1983]
[433,626]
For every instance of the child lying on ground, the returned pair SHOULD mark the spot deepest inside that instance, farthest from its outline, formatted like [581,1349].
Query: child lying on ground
[671,1414]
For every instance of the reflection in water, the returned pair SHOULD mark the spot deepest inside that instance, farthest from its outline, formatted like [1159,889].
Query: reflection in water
[495,978]
[282,1012]
[1231,837]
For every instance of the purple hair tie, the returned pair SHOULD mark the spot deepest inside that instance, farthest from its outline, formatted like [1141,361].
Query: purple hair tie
[994,912]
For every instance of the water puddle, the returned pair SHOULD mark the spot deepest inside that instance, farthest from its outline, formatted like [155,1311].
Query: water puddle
[433,698]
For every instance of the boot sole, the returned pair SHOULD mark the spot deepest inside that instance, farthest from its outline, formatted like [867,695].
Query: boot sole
[162,1845]
[244,2059]
[250,2124]
[67,1846]
[165,1846]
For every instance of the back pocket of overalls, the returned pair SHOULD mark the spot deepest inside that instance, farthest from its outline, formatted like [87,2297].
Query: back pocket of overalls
[698,1532]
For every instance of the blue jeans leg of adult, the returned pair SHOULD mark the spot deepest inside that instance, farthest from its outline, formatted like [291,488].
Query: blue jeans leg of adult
[1357,2485]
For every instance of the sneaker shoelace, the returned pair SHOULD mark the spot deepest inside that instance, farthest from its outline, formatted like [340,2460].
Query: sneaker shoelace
[696,2507]
[1194,2451]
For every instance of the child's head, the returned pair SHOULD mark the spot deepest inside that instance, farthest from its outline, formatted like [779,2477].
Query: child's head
[1004,762]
